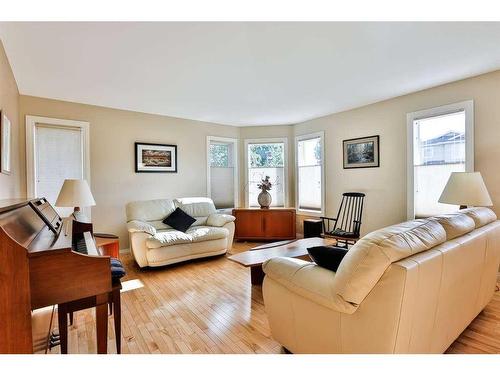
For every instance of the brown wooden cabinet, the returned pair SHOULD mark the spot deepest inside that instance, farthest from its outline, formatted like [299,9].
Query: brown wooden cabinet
[264,224]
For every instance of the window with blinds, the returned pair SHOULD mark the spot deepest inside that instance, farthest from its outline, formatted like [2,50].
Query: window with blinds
[266,158]
[58,156]
[309,169]
[222,173]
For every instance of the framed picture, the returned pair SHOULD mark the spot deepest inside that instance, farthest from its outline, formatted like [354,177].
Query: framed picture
[361,152]
[5,143]
[153,157]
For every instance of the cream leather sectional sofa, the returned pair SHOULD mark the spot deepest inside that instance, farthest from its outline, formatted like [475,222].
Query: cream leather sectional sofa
[408,288]
[154,243]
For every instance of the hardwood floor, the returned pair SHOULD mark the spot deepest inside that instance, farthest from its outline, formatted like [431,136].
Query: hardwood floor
[209,306]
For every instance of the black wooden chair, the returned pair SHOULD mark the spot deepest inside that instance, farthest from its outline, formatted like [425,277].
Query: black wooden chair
[346,226]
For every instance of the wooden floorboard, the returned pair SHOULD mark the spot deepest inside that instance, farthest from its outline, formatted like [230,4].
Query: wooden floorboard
[209,306]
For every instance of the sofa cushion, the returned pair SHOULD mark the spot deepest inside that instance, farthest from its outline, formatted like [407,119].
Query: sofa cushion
[194,234]
[200,234]
[179,220]
[367,260]
[168,237]
[455,225]
[480,215]
[150,210]
[198,207]
[328,257]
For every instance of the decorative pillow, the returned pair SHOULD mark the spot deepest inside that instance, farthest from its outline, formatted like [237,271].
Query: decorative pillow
[179,220]
[117,270]
[328,257]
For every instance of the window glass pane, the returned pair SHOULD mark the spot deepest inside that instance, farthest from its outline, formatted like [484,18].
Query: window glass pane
[221,174]
[309,152]
[219,155]
[266,159]
[266,155]
[309,174]
[439,149]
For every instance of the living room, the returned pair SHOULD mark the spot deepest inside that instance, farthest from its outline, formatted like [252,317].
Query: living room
[254,187]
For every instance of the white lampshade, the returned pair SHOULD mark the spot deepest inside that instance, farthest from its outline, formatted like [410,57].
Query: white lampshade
[466,189]
[75,193]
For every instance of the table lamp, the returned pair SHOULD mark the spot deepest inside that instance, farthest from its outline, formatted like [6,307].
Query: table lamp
[75,193]
[466,189]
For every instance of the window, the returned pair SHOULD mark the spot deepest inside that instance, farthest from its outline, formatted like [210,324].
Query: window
[266,157]
[56,150]
[222,182]
[440,142]
[309,151]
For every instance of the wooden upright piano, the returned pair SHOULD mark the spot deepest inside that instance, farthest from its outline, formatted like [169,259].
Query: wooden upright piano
[40,267]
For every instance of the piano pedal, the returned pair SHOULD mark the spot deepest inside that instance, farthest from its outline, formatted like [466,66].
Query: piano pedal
[55,340]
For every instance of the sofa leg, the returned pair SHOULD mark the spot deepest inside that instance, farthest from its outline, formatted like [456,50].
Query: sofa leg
[286,350]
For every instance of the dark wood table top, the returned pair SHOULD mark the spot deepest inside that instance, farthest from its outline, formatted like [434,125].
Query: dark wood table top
[291,249]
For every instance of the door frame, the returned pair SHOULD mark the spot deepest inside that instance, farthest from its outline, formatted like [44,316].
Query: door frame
[31,122]
[236,171]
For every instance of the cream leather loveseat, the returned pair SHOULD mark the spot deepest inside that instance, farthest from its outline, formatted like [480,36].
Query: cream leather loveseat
[156,244]
[408,288]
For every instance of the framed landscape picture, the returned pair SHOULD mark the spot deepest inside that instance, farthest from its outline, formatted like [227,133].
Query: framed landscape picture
[153,157]
[361,152]
[5,143]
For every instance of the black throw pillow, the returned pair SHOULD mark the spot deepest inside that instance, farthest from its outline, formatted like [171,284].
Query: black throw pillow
[179,220]
[327,256]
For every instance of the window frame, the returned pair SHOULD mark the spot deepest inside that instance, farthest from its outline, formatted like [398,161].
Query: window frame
[304,137]
[236,177]
[468,107]
[283,140]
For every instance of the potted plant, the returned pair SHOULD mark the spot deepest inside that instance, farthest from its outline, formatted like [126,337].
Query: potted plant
[264,197]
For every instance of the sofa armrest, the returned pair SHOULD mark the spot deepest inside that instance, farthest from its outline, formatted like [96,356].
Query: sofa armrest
[219,220]
[307,280]
[140,226]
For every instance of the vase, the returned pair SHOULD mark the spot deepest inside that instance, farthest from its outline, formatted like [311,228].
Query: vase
[264,199]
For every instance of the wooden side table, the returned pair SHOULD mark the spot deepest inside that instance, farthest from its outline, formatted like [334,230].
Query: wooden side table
[109,244]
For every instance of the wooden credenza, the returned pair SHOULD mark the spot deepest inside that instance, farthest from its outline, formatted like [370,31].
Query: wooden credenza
[264,224]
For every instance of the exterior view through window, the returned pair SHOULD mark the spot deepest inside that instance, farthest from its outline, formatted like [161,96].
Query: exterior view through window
[309,174]
[438,150]
[266,159]
[221,161]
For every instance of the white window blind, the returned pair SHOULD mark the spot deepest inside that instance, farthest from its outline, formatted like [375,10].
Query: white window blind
[309,174]
[59,156]
[221,156]
[438,150]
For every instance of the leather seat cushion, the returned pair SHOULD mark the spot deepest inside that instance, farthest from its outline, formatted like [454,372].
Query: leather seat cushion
[194,234]
[198,207]
[150,210]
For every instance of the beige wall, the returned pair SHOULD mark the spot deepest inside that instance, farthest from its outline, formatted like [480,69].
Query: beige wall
[112,136]
[386,186]
[13,185]
[113,133]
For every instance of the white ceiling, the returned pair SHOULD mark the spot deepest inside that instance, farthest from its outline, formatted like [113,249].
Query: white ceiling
[244,73]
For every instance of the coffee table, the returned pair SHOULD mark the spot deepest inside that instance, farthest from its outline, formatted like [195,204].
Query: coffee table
[254,257]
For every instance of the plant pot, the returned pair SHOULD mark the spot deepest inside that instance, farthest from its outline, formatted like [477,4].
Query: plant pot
[264,199]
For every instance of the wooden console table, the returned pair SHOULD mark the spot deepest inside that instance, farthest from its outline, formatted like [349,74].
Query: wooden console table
[256,224]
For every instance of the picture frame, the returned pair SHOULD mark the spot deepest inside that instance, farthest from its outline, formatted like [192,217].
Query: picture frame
[361,152]
[5,143]
[155,158]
